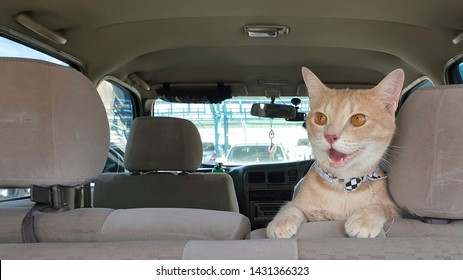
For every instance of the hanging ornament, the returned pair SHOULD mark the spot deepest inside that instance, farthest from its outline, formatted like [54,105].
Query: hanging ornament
[271,134]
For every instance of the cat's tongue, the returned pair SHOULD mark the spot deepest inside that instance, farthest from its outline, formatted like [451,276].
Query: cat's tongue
[337,159]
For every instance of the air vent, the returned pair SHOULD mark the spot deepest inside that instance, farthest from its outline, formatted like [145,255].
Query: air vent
[256,177]
[266,210]
[273,195]
[276,177]
[293,175]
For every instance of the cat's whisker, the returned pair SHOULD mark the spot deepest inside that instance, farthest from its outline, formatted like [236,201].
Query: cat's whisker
[386,163]
[394,153]
[388,156]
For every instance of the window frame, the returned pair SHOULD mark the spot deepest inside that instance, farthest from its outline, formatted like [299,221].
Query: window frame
[452,74]
[455,75]
[32,43]
[134,93]
[411,88]
[135,97]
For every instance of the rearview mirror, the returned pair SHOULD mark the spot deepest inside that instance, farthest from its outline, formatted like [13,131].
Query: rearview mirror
[266,110]
[300,117]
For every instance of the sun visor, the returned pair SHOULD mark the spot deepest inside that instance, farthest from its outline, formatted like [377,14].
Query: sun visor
[194,93]
[302,88]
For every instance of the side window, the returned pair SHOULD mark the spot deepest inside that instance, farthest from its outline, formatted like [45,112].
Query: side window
[454,70]
[459,79]
[119,107]
[10,48]
[421,83]
[424,84]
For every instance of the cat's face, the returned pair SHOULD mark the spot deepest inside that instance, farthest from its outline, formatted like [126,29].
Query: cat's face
[349,130]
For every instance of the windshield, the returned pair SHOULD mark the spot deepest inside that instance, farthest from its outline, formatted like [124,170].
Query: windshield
[242,154]
[232,136]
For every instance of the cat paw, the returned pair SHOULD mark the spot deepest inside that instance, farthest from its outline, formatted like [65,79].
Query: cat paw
[362,225]
[283,228]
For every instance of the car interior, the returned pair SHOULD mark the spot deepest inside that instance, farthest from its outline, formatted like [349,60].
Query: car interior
[107,107]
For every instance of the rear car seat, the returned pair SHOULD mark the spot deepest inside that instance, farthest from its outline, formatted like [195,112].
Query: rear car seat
[57,134]
[161,154]
[425,170]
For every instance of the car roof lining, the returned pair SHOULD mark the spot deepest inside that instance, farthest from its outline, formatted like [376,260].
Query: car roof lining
[164,43]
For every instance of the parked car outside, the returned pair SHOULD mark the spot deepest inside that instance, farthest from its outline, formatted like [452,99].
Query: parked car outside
[301,151]
[241,154]
[210,155]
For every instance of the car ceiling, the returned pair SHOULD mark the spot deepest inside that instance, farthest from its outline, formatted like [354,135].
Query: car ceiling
[343,42]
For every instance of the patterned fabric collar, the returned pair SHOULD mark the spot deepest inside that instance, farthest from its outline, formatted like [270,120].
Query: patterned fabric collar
[350,184]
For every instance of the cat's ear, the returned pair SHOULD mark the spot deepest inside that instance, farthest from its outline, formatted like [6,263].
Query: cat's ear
[389,89]
[314,86]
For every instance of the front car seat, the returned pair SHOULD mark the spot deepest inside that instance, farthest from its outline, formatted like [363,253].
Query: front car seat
[56,134]
[162,154]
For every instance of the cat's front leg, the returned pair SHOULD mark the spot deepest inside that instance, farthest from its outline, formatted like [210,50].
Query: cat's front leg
[286,222]
[368,222]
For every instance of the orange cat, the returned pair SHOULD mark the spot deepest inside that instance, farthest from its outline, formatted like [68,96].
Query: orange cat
[349,131]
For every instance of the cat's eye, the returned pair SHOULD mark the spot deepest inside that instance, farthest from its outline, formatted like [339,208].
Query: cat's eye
[358,119]
[320,118]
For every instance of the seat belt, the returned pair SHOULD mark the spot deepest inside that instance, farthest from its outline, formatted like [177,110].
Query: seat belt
[83,196]
[87,188]
[47,199]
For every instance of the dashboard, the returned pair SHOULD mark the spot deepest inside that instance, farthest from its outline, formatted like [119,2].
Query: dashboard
[262,189]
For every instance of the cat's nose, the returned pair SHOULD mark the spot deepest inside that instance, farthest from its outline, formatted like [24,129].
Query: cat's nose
[331,138]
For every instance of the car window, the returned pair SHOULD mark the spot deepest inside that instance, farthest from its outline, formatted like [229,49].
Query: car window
[255,153]
[228,130]
[208,147]
[10,48]
[420,83]
[303,142]
[460,72]
[119,107]
[454,71]
[425,84]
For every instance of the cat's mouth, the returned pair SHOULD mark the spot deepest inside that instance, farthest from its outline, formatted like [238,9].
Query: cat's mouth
[338,159]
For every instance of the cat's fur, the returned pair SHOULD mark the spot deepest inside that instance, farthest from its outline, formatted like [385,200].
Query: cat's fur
[368,207]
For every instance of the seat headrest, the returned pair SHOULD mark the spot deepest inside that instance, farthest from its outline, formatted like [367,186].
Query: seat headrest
[425,161]
[163,143]
[54,130]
